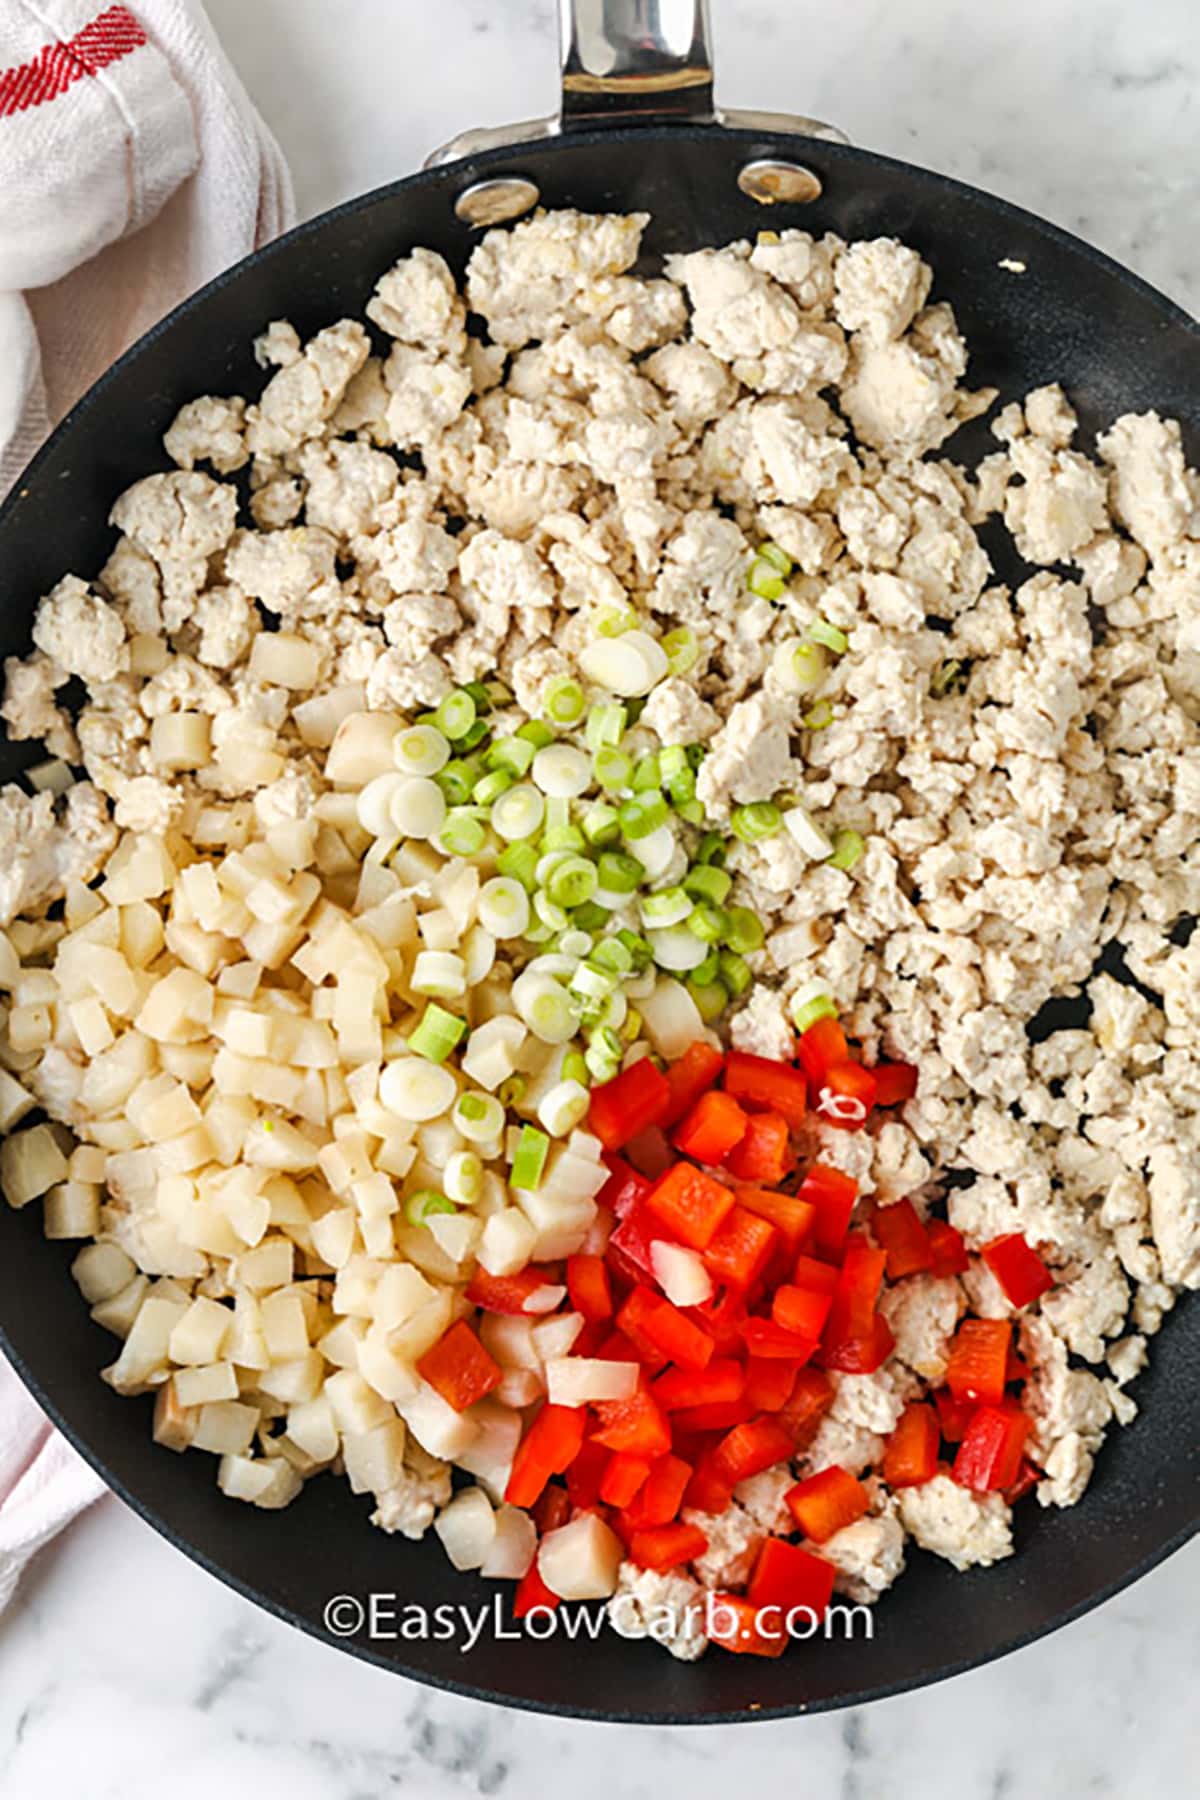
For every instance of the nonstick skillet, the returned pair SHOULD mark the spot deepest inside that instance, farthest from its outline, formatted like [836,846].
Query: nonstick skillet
[638,131]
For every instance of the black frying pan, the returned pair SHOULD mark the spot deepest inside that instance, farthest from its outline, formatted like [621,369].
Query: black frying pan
[1071,315]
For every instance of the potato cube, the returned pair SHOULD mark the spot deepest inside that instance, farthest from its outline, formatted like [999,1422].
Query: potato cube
[101,1271]
[226,1428]
[245,1477]
[117,1312]
[339,1345]
[174,1425]
[199,1336]
[311,1425]
[141,933]
[282,659]
[317,719]
[362,748]
[31,1162]
[284,1326]
[275,1144]
[204,1384]
[15,1101]
[298,1378]
[334,1235]
[146,1348]
[355,1406]
[375,1459]
[72,1210]
[178,1008]
[435,1424]
[180,741]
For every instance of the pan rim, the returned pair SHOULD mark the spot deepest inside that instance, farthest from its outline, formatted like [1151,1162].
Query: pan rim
[451,176]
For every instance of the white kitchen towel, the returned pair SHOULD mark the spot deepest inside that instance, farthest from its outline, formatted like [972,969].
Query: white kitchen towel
[133,168]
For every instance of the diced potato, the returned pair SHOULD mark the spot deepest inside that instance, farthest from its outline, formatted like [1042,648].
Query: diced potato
[274,1144]
[582,1380]
[560,1223]
[199,1336]
[519,1388]
[180,741]
[490,1457]
[117,1312]
[31,1162]
[340,1343]
[203,1385]
[356,1406]
[311,1425]
[507,1242]
[284,1326]
[102,1271]
[282,659]
[509,1338]
[246,1346]
[554,1337]
[317,719]
[467,1528]
[30,1027]
[513,1547]
[383,1368]
[294,1380]
[362,748]
[435,1424]
[141,933]
[334,1236]
[174,1425]
[15,1101]
[178,1008]
[245,1477]
[375,1459]
[226,1428]
[72,1210]
[580,1560]
[146,1348]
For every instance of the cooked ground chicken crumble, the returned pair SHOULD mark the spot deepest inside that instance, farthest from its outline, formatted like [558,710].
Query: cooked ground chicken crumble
[1024,766]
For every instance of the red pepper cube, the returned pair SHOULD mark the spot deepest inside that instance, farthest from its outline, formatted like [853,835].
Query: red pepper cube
[628,1250]
[740,1249]
[826,1503]
[721,1381]
[901,1231]
[722,1318]
[708,1491]
[548,1448]
[718,1415]
[769,1383]
[750,1448]
[589,1287]
[623,1477]
[852,1311]
[953,1415]
[585,1475]
[647,1319]
[711,1128]
[845,1095]
[553,1508]
[661,1494]
[1027,1477]
[1018,1268]
[459,1367]
[792,1216]
[989,1457]
[775,1086]
[821,1048]
[666,1546]
[764,1153]
[531,1593]
[620,1108]
[509,1293]
[832,1195]
[697,1070]
[806,1405]
[910,1456]
[690,1204]
[794,1581]
[801,1310]
[978,1365]
[732,1623]
[948,1248]
[636,1425]
[624,1186]
[814,1275]
[763,1337]
[895,1082]
[860,1356]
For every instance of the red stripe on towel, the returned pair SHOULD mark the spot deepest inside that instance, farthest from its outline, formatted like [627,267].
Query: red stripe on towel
[105,39]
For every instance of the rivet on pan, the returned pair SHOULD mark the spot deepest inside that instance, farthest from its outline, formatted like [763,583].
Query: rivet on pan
[770,182]
[495,202]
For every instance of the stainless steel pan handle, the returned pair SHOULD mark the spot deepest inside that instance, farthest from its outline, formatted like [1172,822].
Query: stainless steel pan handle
[631,61]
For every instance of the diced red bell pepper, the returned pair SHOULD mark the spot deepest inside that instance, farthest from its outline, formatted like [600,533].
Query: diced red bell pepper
[764,1152]
[716,1415]
[845,1095]
[953,1415]
[711,1128]
[791,1579]
[722,1318]
[949,1251]
[586,1473]
[814,1275]
[901,1231]
[832,1194]
[697,1070]
[666,1546]
[792,1216]
[741,1248]
[1027,1477]
[911,1454]
[722,1381]
[826,1503]
[509,1293]
[750,1448]
[775,1086]
[861,1356]
[763,1337]
[852,1312]
[978,1365]
[460,1368]
[637,1425]
[1018,1268]
[801,1310]
[894,1083]
[553,1508]
[649,1320]
[806,1405]
[690,1204]
[989,1456]
[532,1592]
[661,1494]
[589,1287]
[650,1153]
[548,1448]
[821,1048]
[1015,1370]
[620,1108]
[708,1491]
[616,1347]
[628,1248]
[732,1623]
[623,1477]
[769,1382]
[624,1186]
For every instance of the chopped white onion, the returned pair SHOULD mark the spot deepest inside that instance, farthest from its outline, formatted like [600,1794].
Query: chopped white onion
[581,1380]
[680,1273]
[811,839]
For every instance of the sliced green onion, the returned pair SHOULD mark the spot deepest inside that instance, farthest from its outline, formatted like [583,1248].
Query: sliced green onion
[605,726]
[456,713]
[515,754]
[708,970]
[519,863]
[553,1014]
[563,837]
[518,813]
[535,732]
[611,769]
[672,760]
[799,666]
[761,819]
[619,873]
[529,1160]
[574,942]
[736,973]
[707,922]
[425,1204]
[473,738]
[589,916]
[691,812]
[818,717]
[611,954]
[574,882]
[563,701]
[463,834]
[601,1066]
[613,621]
[481,694]
[420,750]
[592,983]
[552,915]
[457,779]
[437,1034]
[848,849]
[478,1117]
[711,850]
[710,1000]
[950,677]
[681,648]
[511,1090]
[600,824]
[646,774]
[631,1029]
[562,771]
[503,907]
[833,638]
[765,580]
[777,556]
[744,931]
[418,807]
[642,814]
[490,787]
[462,1177]
[677,948]
[810,1003]
[638,947]
[703,882]
[671,906]
[574,1068]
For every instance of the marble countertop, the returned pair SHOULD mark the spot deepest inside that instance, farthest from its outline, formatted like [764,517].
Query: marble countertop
[128,1669]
